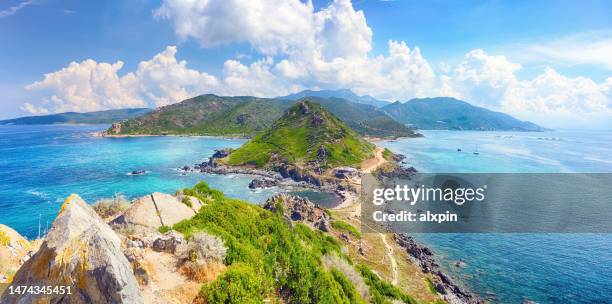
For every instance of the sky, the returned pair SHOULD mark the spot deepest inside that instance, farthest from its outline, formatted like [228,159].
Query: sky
[545,61]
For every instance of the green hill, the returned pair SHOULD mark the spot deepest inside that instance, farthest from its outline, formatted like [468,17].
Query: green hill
[245,116]
[207,115]
[366,119]
[447,113]
[307,135]
[99,117]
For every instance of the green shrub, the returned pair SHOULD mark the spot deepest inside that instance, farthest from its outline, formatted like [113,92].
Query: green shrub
[187,201]
[164,229]
[381,291]
[346,227]
[287,261]
[238,284]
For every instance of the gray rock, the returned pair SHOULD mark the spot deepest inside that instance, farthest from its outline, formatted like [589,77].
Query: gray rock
[83,252]
[168,242]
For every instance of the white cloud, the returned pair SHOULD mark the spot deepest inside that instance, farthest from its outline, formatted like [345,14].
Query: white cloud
[269,26]
[86,86]
[14,9]
[301,48]
[93,86]
[550,97]
[163,80]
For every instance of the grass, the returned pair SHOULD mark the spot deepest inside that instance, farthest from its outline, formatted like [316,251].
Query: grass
[267,259]
[298,139]
[430,286]
[341,225]
[380,290]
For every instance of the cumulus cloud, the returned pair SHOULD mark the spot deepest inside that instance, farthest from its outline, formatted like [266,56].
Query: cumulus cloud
[296,48]
[491,81]
[93,86]
[269,26]
[86,86]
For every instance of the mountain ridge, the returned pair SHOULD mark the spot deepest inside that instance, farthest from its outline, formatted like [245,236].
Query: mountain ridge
[447,113]
[96,117]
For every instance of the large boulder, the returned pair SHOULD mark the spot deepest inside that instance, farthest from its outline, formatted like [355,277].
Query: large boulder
[82,252]
[156,210]
[14,251]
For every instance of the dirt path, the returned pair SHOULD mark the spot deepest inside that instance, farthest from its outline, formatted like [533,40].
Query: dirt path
[369,165]
[391,258]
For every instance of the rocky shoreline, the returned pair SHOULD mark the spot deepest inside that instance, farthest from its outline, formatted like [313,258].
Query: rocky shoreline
[442,283]
[420,254]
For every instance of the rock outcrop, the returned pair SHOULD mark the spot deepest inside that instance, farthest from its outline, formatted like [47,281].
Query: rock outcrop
[299,209]
[83,252]
[14,251]
[443,284]
[158,209]
[263,183]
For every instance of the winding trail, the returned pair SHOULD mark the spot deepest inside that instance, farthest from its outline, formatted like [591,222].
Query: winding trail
[391,258]
[369,165]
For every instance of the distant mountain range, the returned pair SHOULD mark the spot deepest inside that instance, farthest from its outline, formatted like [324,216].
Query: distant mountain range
[215,115]
[245,116]
[445,113]
[99,117]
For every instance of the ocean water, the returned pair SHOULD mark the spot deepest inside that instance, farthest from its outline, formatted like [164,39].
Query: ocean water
[512,268]
[42,165]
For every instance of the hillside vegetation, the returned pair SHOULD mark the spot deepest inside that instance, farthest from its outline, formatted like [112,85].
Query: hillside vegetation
[307,135]
[269,260]
[245,116]
[207,115]
[447,113]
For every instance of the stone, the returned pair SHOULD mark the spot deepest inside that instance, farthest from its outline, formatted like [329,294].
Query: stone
[154,210]
[168,242]
[83,252]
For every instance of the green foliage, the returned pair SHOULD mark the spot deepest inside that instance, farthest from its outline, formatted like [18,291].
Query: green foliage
[164,229]
[187,201]
[381,291]
[263,250]
[346,227]
[238,284]
[300,135]
[430,286]
[387,154]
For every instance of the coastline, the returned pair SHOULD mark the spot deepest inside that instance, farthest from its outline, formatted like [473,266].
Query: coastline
[417,253]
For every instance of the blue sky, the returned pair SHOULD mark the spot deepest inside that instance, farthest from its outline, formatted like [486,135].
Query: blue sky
[514,56]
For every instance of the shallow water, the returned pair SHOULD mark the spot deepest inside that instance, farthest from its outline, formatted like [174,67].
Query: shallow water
[511,268]
[41,165]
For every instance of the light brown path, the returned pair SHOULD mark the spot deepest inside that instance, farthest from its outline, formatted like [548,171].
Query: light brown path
[370,164]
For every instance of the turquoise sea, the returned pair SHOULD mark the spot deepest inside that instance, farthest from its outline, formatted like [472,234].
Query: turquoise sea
[512,268]
[41,165]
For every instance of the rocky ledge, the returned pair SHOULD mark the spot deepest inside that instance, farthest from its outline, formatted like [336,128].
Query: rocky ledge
[83,252]
[299,209]
[443,284]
